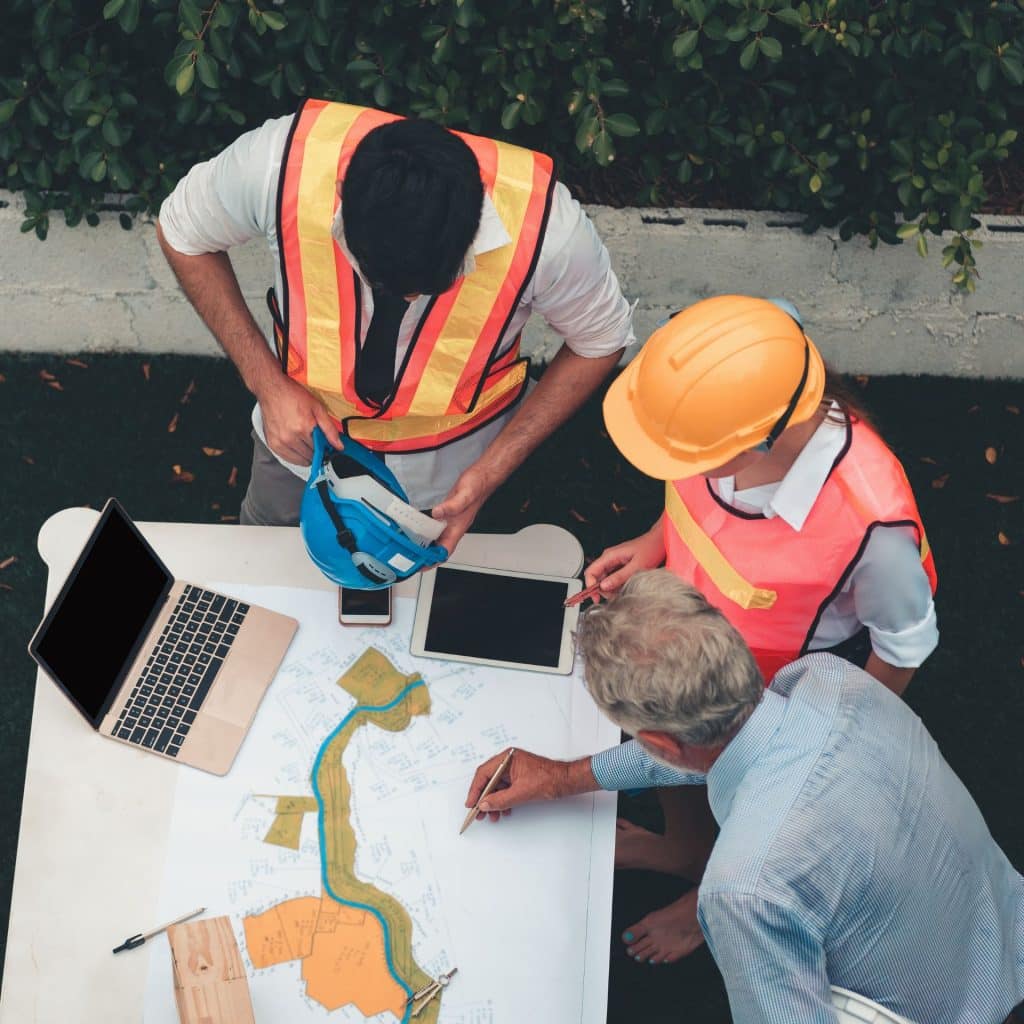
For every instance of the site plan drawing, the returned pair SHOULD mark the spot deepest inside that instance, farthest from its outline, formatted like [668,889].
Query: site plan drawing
[333,842]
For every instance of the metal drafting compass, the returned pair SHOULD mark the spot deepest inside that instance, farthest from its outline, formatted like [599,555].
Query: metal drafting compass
[422,999]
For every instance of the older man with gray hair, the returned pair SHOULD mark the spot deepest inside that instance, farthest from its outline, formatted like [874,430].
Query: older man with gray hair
[849,853]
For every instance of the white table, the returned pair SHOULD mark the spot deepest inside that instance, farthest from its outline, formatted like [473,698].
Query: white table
[95,816]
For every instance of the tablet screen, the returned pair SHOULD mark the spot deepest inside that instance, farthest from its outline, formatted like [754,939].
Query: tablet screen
[498,618]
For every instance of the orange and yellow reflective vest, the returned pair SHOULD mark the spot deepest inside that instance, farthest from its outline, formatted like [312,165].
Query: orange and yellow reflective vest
[451,381]
[773,582]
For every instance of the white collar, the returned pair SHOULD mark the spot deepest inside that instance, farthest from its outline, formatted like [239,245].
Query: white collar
[491,234]
[793,497]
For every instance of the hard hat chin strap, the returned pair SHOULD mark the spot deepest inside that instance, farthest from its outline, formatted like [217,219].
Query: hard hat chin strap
[783,421]
[346,538]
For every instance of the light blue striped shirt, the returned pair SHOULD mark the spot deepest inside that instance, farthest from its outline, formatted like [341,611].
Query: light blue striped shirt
[850,854]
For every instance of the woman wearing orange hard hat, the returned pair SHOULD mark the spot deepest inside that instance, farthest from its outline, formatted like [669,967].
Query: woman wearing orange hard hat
[784,507]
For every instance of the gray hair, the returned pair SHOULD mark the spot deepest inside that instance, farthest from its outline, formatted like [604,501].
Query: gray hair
[659,657]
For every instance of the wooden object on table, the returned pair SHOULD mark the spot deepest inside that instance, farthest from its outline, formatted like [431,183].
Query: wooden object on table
[210,986]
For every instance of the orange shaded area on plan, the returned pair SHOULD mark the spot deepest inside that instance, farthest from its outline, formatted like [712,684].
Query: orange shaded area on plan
[341,948]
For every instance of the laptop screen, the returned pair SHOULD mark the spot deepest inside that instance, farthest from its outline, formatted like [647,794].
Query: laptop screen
[99,617]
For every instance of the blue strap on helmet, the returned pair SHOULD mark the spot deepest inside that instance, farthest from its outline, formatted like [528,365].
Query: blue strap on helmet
[352,541]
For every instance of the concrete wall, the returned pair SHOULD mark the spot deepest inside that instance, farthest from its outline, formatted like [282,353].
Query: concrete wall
[882,311]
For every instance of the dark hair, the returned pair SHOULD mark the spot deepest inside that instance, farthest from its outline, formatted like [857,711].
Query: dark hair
[412,198]
[838,389]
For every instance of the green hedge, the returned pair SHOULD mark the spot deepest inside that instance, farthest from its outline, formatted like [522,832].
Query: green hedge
[856,114]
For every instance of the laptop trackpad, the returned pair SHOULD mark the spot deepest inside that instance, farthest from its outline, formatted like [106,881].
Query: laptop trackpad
[212,743]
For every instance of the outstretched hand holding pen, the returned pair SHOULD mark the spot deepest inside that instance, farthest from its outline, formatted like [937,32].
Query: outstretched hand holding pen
[526,778]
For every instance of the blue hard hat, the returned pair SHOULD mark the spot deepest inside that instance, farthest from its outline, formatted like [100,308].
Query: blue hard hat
[356,521]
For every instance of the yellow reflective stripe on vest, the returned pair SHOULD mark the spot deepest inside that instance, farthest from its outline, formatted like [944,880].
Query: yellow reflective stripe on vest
[472,307]
[711,560]
[316,204]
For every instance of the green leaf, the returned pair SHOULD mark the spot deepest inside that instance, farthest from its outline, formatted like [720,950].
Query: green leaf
[604,148]
[111,9]
[685,43]
[128,18]
[1007,137]
[185,77]
[908,230]
[274,21]
[208,71]
[190,15]
[815,183]
[511,114]
[622,124]
[984,76]
[770,47]
[382,93]
[792,18]
[964,23]
[748,57]
[125,221]
[99,172]
[922,245]
[7,108]
[1012,68]
[960,217]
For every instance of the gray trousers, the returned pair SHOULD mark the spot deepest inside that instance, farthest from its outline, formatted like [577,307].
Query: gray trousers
[274,494]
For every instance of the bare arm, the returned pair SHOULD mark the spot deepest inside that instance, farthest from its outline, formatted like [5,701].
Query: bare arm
[289,411]
[896,678]
[564,387]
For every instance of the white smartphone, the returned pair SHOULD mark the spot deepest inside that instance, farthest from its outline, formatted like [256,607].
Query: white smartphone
[364,607]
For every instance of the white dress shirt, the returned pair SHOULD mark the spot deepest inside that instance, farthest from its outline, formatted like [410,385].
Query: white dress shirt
[888,590]
[233,198]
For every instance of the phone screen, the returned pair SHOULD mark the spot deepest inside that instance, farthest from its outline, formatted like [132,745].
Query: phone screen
[365,602]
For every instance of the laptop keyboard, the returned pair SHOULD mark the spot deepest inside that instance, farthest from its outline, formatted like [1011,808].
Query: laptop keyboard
[180,671]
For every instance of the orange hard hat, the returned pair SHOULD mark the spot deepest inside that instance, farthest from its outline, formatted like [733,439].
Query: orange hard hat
[721,377]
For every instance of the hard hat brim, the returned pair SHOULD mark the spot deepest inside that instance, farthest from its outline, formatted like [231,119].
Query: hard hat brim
[653,457]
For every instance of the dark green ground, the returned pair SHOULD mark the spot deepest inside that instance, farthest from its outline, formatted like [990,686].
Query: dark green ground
[107,433]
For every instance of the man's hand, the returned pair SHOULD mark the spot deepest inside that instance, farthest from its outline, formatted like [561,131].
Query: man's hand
[461,505]
[615,565]
[290,413]
[527,778]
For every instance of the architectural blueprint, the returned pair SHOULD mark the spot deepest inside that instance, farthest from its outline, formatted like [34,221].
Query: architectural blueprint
[333,843]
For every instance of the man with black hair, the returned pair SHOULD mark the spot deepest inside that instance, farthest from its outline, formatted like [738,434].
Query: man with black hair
[409,260]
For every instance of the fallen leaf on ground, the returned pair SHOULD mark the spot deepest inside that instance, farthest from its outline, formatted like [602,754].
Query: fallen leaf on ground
[991,455]
[862,379]
[28,459]
[619,509]
[973,408]
[929,460]
[577,516]
[6,586]
[3,379]
[233,476]
[525,505]
[229,519]
[55,384]
[10,560]
[189,392]
[1003,539]
[584,463]
[173,425]
[182,476]
[940,481]
[213,452]
[78,363]
[215,506]
[145,370]
[1015,409]
[1004,499]
[46,375]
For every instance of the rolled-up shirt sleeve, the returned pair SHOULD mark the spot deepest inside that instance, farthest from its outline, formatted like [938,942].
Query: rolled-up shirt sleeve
[629,766]
[575,288]
[893,598]
[229,199]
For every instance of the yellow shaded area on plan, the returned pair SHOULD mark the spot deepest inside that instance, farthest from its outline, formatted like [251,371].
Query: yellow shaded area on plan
[286,829]
[351,922]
